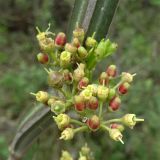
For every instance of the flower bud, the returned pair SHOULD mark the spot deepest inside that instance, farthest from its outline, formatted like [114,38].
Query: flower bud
[116,135]
[111,71]
[90,42]
[130,120]
[79,103]
[58,107]
[86,94]
[55,79]
[62,120]
[67,76]
[112,93]
[41,96]
[43,58]
[51,101]
[67,134]
[66,156]
[127,77]
[93,123]
[93,103]
[93,88]
[70,48]
[102,92]
[65,58]
[76,42]
[41,36]
[85,150]
[82,158]
[114,103]
[79,33]
[123,88]
[117,126]
[83,83]
[103,79]
[79,72]
[82,52]
[60,40]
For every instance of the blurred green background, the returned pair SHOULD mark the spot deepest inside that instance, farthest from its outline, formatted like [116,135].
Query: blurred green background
[136,28]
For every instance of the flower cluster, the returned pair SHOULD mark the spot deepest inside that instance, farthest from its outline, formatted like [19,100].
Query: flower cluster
[69,67]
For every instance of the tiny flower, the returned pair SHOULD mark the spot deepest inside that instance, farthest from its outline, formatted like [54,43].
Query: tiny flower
[67,134]
[116,135]
[93,123]
[67,76]
[41,96]
[85,150]
[79,103]
[79,33]
[90,42]
[86,94]
[66,156]
[127,77]
[76,42]
[102,92]
[51,101]
[111,71]
[130,120]
[60,40]
[93,103]
[79,72]
[112,93]
[82,158]
[70,48]
[55,79]
[83,83]
[82,52]
[58,107]
[43,58]
[103,79]
[123,88]
[117,126]
[114,103]
[65,58]
[62,120]
[47,44]
[93,88]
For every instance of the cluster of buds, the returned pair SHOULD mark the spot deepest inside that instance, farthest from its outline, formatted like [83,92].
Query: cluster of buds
[84,154]
[69,67]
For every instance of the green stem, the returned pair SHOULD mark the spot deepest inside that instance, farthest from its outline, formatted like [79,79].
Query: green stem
[54,57]
[118,84]
[112,120]
[100,109]
[77,122]
[80,129]
[105,127]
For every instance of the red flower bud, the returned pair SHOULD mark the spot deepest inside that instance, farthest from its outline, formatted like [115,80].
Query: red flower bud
[111,71]
[76,42]
[123,88]
[60,39]
[93,103]
[43,58]
[114,103]
[79,103]
[93,123]
[103,79]
[83,83]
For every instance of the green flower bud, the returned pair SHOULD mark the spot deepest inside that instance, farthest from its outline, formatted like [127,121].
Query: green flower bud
[130,120]
[58,107]
[82,158]
[112,93]
[82,52]
[66,156]
[102,92]
[79,72]
[85,150]
[93,88]
[47,44]
[90,42]
[127,77]
[86,94]
[65,58]
[116,135]
[79,33]
[51,101]
[67,134]
[62,121]
[41,96]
